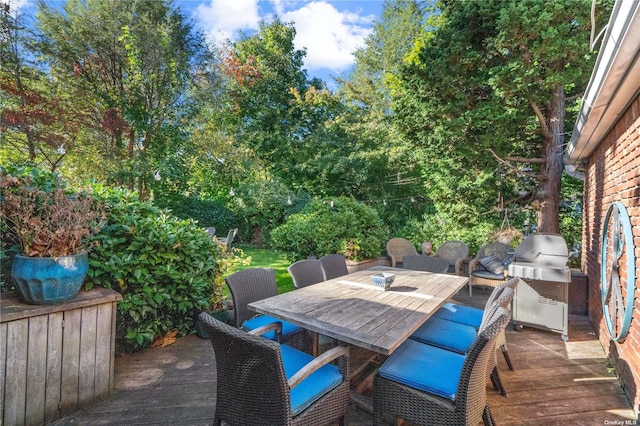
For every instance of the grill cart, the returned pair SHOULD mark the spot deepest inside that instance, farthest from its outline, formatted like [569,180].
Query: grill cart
[542,295]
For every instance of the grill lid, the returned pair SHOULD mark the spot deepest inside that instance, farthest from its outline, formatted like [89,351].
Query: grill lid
[541,257]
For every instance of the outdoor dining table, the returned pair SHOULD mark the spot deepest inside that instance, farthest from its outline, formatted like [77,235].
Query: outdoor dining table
[353,310]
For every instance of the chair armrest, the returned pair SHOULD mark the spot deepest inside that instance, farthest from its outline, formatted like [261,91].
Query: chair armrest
[474,265]
[458,268]
[324,359]
[277,326]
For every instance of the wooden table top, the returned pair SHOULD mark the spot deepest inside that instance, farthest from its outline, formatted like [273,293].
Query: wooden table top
[351,309]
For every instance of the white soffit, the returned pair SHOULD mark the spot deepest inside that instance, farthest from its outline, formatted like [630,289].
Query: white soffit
[614,83]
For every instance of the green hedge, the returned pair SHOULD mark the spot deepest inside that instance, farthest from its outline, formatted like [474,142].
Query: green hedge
[205,212]
[347,227]
[165,268]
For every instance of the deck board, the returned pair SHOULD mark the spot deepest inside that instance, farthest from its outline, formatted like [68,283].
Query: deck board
[554,382]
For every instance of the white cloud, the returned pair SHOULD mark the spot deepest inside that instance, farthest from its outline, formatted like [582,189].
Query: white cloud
[329,35]
[279,6]
[222,19]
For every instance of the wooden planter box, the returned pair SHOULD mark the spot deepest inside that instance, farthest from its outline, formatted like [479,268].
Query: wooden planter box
[353,266]
[55,359]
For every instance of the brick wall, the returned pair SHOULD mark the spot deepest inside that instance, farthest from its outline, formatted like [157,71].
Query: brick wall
[613,174]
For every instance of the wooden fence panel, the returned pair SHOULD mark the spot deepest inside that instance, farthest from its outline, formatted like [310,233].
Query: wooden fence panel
[54,366]
[55,359]
[36,370]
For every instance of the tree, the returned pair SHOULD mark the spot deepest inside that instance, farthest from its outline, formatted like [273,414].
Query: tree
[129,65]
[393,176]
[392,38]
[488,87]
[37,124]
[264,70]
[286,120]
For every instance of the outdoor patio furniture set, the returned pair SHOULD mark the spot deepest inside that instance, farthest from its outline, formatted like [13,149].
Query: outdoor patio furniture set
[453,252]
[488,268]
[439,355]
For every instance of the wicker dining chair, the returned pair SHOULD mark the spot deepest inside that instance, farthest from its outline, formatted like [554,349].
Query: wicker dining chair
[333,266]
[473,316]
[397,248]
[428,385]
[306,272]
[479,275]
[458,337]
[250,285]
[261,382]
[455,252]
[420,262]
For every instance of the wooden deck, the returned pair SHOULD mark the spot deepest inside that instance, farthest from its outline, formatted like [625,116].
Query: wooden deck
[554,383]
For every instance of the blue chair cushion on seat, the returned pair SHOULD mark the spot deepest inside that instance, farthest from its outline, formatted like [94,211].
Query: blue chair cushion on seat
[313,387]
[424,367]
[460,313]
[449,335]
[260,320]
[486,274]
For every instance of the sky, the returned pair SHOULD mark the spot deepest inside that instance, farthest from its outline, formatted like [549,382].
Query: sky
[330,30]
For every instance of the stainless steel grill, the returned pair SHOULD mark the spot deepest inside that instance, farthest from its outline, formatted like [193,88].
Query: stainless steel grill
[542,295]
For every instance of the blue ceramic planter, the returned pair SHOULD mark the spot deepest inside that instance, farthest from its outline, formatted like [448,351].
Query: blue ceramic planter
[48,280]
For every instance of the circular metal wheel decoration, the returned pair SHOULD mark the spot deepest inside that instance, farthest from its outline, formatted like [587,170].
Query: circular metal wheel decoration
[617,240]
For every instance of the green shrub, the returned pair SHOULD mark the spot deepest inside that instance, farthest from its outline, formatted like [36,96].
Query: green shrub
[262,206]
[205,212]
[165,268]
[348,227]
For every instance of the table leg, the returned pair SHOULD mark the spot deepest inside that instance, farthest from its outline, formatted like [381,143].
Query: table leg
[314,343]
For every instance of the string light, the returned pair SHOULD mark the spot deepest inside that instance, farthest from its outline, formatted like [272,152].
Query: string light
[232,193]
[389,201]
[289,202]
[156,175]
[61,150]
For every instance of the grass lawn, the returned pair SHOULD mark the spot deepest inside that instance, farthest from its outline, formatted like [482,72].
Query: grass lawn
[267,258]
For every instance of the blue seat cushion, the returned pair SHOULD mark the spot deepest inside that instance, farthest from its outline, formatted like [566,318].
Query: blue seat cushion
[260,320]
[460,313]
[424,367]
[449,335]
[480,273]
[313,387]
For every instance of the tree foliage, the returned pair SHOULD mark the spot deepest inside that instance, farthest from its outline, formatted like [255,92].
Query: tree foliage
[452,111]
[36,116]
[483,94]
[341,226]
[129,66]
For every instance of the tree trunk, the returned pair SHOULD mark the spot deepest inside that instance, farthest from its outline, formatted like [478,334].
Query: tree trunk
[548,215]
[257,235]
[130,151]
